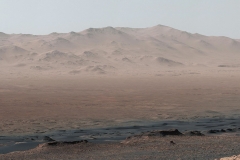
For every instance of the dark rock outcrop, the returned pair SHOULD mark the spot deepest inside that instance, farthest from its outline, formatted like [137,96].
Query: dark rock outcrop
[193,133]
[172,132]
[55,143]
[48,139]
[213,131]
[222,130]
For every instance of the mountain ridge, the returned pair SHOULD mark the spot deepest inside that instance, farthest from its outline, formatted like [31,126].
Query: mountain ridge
[123,48]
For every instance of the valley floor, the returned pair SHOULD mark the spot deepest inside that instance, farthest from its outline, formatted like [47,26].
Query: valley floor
[41,104]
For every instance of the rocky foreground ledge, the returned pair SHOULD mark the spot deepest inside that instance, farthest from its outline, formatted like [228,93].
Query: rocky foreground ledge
[231,158]
[165,144]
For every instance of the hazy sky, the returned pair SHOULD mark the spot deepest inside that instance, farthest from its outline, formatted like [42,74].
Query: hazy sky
[208,17]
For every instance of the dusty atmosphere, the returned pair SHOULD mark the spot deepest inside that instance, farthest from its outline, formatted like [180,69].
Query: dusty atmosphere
[118,77]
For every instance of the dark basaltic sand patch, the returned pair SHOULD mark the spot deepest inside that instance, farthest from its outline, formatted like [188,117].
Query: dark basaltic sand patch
[127,135]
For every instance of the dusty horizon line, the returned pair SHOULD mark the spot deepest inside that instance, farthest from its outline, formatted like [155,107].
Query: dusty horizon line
[116,28]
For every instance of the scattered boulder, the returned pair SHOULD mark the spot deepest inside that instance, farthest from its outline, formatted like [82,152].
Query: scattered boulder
[194,133]
[171,132]
[232,129]
[172,143]
[48,139]
[213,131]
[222,130]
